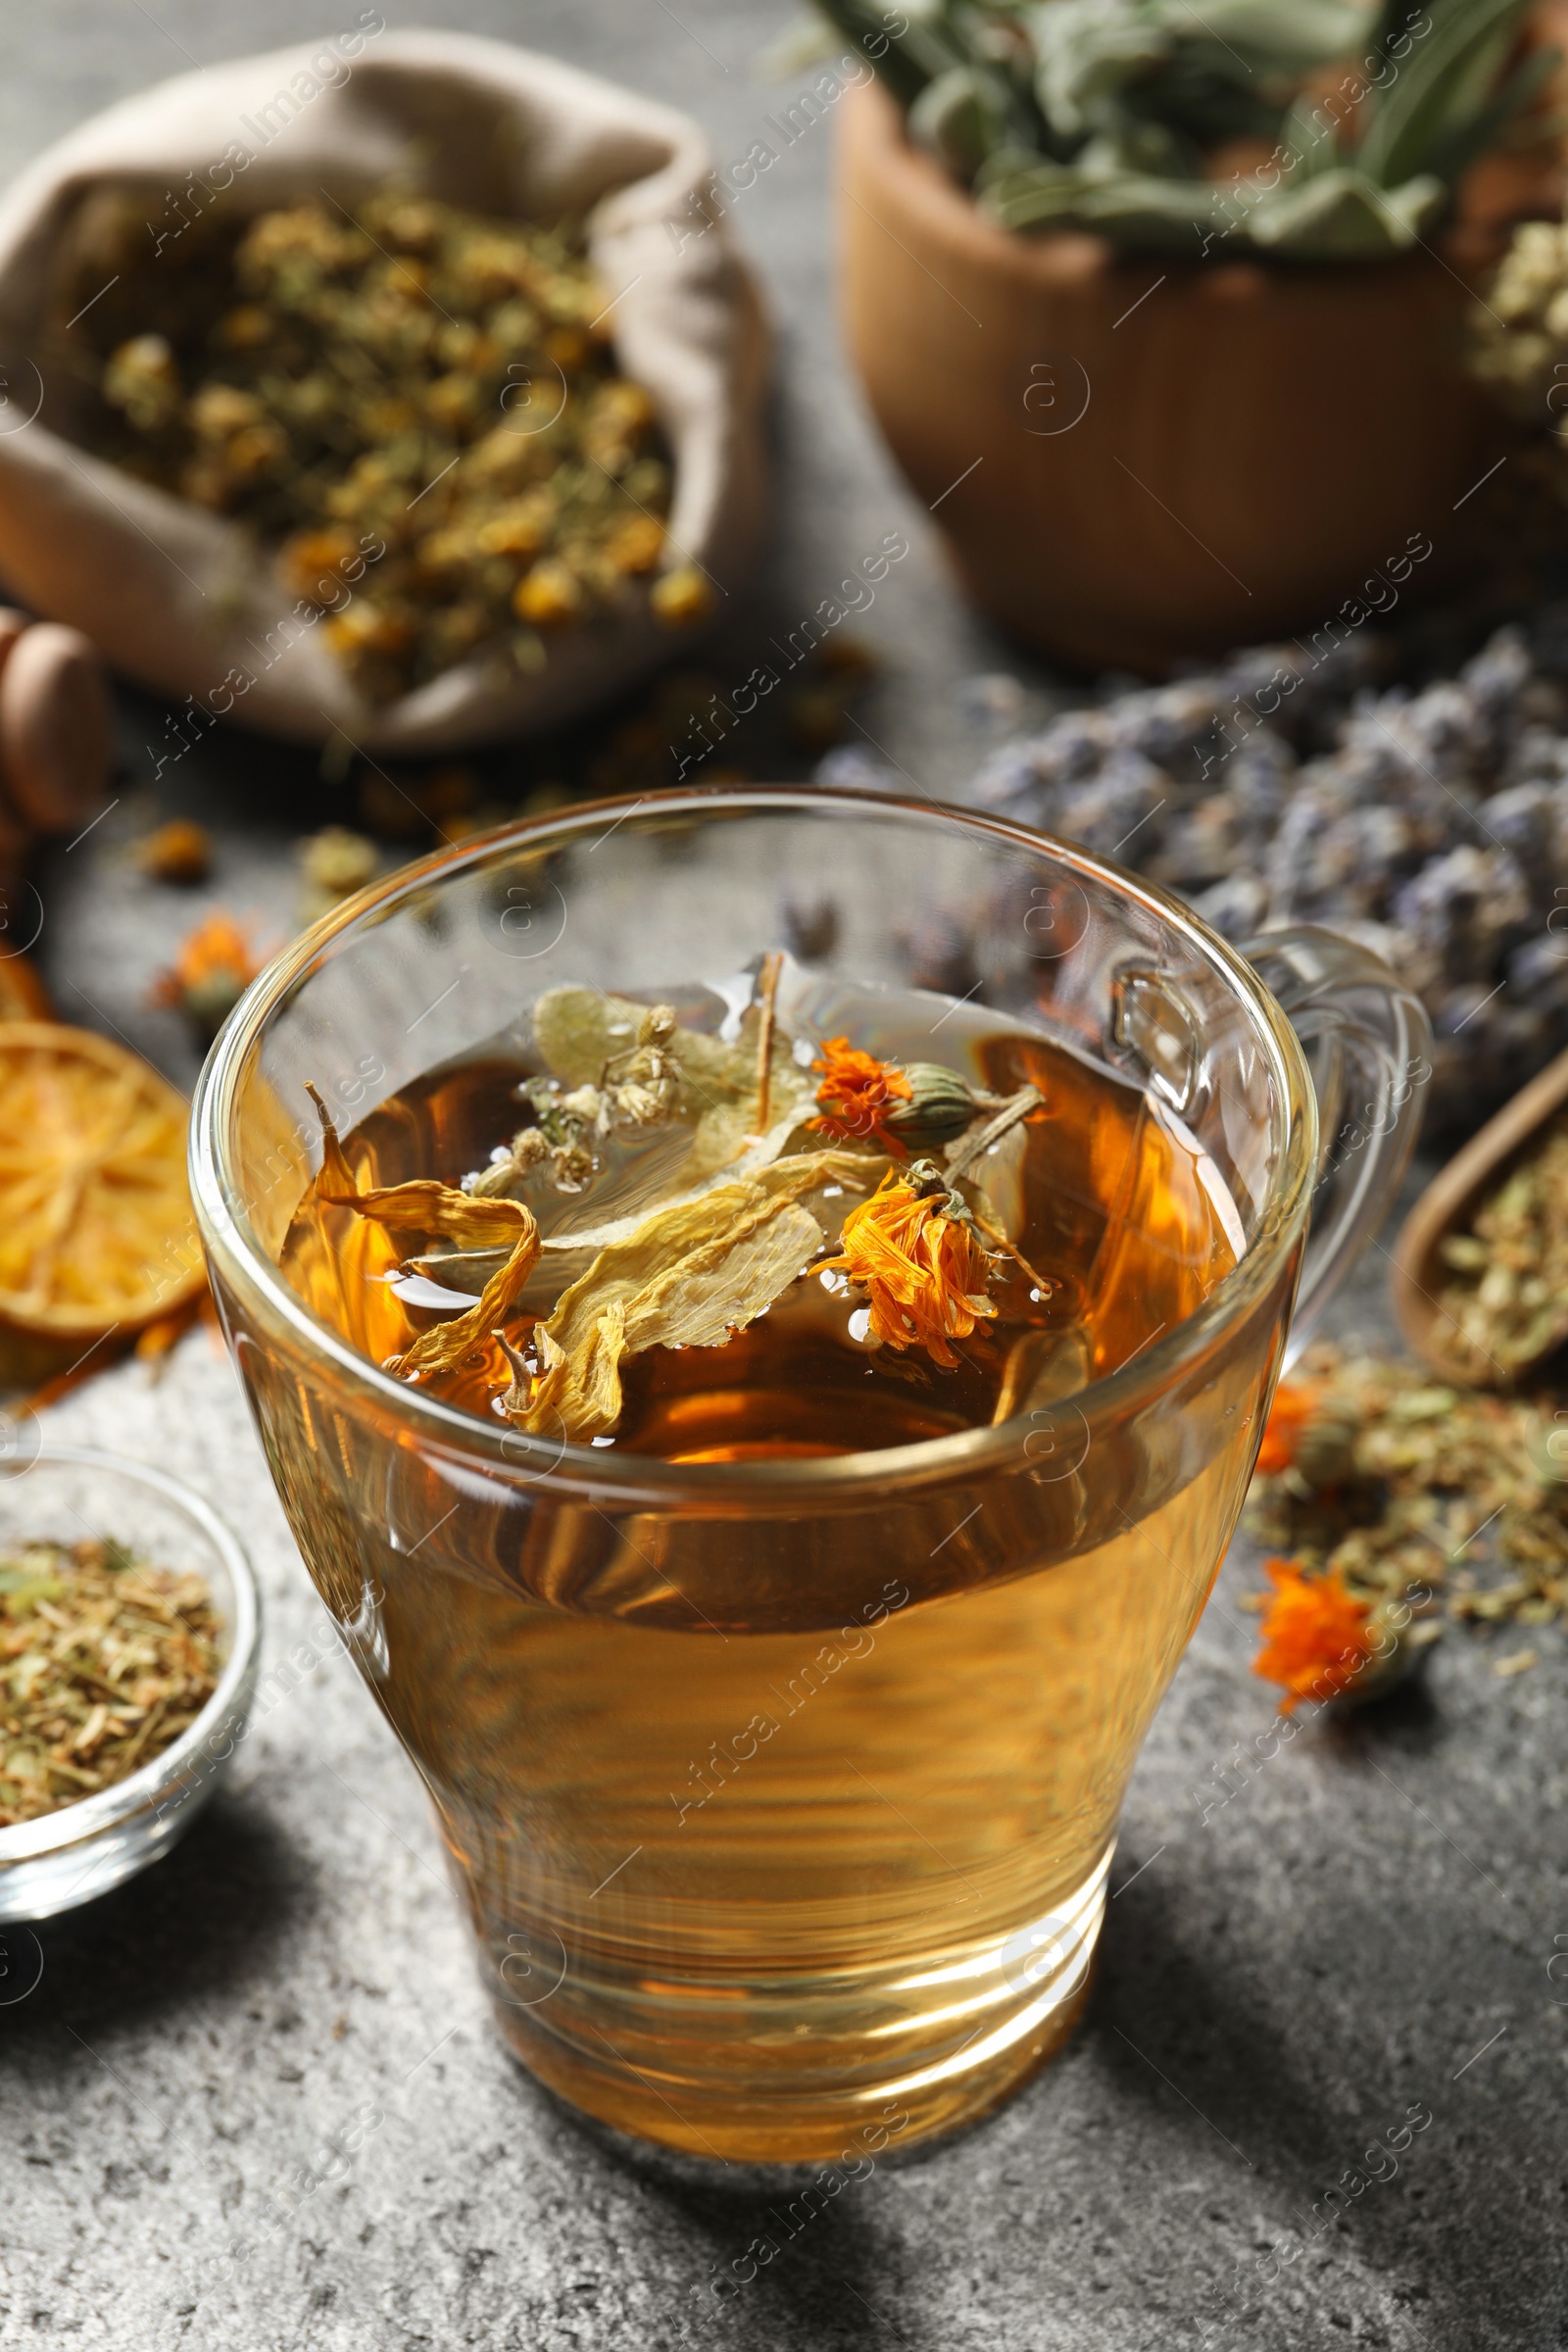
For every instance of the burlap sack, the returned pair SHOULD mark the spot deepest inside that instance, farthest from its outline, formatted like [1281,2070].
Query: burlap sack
[180,598]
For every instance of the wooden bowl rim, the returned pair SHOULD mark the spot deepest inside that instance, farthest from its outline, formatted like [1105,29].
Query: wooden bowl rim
[1451,1197]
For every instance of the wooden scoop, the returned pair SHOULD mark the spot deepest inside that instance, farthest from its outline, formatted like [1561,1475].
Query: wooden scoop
[1447,1205]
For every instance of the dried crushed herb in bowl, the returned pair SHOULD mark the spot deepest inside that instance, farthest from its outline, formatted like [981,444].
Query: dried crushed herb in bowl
[105,1659]
[416,407]
[1506,1299]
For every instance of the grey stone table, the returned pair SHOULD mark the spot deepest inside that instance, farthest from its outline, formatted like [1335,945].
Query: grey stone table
[1364,1928]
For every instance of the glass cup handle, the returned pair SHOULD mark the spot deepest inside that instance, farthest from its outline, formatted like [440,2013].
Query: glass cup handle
[1368,1044]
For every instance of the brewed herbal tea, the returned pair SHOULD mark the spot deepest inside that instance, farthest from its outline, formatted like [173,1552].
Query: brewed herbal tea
[716,1794]
[676,1254]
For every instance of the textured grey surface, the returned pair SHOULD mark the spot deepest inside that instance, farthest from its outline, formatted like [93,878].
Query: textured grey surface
[1281,1980]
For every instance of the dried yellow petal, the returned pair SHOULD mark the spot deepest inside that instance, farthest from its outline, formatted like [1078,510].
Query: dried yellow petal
[688,1276]
[425,1206]
[698,1304]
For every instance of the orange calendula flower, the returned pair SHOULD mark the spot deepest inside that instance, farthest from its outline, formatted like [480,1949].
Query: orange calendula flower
[1316,1637]
[913,1251]
[856,1094]
[215,965]
[1295,1403]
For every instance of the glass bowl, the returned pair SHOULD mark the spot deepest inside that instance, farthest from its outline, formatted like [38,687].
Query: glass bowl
[70,1856]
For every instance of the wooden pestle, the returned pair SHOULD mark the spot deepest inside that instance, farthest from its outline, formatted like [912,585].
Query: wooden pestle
[56,739]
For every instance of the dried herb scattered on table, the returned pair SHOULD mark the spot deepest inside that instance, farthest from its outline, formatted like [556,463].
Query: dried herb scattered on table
[417,405]
[215,965]
[105,1659]
[1397,1487]
[1509,1296]
[179,852]
[334,863]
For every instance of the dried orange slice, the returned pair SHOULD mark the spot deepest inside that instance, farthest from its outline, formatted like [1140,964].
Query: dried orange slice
[96,1231]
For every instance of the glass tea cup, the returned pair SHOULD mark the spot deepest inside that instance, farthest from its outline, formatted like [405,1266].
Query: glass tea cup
[782,1791]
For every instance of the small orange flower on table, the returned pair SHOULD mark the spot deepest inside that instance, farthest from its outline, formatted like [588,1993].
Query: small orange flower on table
[214,966]
[915,1253]
[856,1094]
[1316,1636]
[1295,1404]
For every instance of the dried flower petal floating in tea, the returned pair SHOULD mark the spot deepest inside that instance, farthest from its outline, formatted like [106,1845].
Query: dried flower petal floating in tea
[426,1206]
[682,1190]
[690,1276]
[857,1094]
[913,1250]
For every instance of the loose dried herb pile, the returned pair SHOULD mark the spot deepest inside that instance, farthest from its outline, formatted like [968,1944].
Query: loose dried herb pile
[1509,1300]
[418,403]
[1376,1479]
[773,1135]
[105,1659]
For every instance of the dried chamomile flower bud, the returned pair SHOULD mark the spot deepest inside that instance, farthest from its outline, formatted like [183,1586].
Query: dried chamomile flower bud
[335,863]
[549,597]
[314,563]
[1399,1645]
[574,1168]
[682,598]
[566,1121]
[636,545]
[643,1085]
[142,380]
[585,1106]
[513,1163]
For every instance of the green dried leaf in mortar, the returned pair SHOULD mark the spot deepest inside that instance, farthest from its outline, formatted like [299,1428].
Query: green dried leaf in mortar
[689,1275]
[1118,115]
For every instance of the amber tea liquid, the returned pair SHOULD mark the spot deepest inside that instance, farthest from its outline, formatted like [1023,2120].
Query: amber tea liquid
[774,1828]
